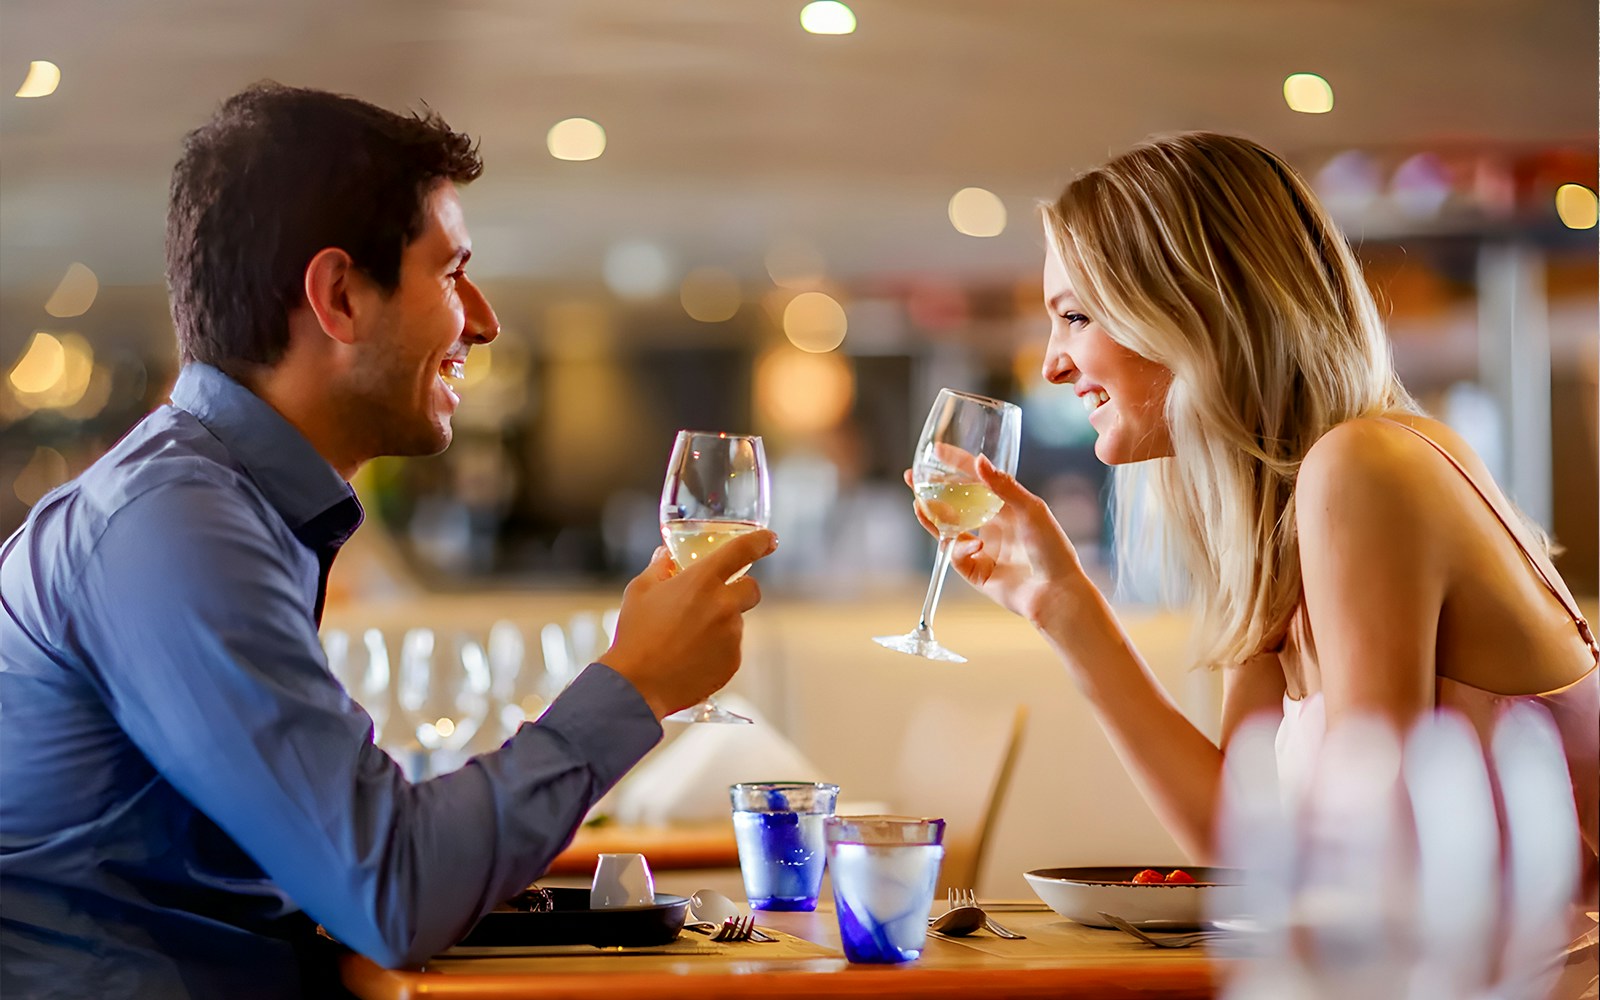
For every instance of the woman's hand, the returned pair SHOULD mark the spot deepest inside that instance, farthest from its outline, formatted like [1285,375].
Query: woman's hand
[1022,559]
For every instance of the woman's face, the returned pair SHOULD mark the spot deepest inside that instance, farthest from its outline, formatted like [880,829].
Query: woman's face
[1124,393]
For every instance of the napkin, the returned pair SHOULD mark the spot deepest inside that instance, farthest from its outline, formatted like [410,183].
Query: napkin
[687,781]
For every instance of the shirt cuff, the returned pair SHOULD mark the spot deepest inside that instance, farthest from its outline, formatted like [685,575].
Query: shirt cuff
[606,719]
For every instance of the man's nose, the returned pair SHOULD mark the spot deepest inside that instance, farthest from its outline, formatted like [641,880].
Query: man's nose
[482,325]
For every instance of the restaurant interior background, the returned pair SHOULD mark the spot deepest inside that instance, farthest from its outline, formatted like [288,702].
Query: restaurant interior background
[701,214]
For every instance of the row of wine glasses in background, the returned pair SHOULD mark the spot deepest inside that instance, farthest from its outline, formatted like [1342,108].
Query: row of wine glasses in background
[449,694]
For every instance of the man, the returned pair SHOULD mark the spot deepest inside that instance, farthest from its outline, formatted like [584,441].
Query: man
[186,790]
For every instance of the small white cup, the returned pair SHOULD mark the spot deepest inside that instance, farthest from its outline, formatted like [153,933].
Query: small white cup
[622,880]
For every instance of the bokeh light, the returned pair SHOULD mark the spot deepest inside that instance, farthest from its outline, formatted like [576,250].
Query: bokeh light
[74,294]
[1576,206]
[709,294]
[803,393]
[827,17]
[576,139]
[637,269]
[815,322]
[42,80]
[1308,93]
[975,211]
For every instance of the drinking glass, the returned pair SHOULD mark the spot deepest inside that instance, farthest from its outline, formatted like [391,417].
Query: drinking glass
[883,869]
[778,826]
[960,427]
[716,489]
[444,694]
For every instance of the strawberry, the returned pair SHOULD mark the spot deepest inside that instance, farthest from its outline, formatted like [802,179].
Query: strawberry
[1148,877]
[1180,877]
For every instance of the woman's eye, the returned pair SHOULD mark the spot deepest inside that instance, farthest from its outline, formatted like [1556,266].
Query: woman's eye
[1074,318]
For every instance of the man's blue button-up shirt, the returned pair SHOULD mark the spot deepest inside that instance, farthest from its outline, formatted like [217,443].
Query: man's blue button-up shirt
[184,788]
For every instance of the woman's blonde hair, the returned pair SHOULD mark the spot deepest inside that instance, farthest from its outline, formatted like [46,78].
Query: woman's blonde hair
[1208,254]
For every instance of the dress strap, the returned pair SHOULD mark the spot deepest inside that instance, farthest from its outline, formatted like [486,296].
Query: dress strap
[1584,631]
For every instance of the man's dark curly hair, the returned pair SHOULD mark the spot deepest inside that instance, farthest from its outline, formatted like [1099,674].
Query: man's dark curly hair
[276,176]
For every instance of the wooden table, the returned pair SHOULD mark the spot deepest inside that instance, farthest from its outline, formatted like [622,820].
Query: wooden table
[668,848]
[1060,959]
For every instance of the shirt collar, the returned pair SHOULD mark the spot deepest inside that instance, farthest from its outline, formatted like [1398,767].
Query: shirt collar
[293,475]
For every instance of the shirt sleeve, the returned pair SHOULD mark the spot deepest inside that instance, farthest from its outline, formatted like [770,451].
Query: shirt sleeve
[202,640]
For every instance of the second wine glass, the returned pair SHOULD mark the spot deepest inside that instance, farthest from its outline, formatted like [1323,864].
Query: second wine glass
[960,427]
[716,489]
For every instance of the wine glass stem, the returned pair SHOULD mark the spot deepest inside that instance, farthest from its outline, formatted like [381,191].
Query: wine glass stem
[930,604]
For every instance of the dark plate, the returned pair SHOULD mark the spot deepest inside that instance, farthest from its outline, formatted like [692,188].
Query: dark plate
[573,922]
[1123,874]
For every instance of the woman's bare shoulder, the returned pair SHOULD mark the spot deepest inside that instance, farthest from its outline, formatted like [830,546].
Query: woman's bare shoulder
[1379,454]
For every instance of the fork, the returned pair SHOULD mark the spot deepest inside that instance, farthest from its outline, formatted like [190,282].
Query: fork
[969,897]
[1165,940]
[741,929]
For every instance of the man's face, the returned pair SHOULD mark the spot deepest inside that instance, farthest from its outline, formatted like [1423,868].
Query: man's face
[415,345]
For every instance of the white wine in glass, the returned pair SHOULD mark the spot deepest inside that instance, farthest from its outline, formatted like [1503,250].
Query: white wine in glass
[716,489]
[944,475]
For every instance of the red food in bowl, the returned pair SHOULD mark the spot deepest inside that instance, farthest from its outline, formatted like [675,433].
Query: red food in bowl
[1179,877]
[1148,877]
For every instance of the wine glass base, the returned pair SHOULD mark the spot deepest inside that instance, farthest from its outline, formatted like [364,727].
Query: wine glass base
[708,711]
[919,645]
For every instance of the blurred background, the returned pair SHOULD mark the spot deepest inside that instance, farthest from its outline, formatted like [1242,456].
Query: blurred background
[718,214]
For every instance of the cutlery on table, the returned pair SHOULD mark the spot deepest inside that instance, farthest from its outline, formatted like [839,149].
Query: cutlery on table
[1165,940]
[959,898]
[709,905]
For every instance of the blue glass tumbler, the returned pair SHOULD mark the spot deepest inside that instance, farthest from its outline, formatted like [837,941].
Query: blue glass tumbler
[778,826]
[883,869]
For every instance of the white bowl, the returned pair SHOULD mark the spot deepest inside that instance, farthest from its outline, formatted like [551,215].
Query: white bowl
[1082,894]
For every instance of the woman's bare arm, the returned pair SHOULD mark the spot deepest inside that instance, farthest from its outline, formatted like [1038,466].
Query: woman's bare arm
[1374,569]
[1025,562]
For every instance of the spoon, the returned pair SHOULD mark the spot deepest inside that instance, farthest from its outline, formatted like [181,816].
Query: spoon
[957,922]
[711,905]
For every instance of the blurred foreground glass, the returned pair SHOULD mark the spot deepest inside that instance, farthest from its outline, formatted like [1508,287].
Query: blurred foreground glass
[781,848]
[716,489]
[883,870]
[944,475]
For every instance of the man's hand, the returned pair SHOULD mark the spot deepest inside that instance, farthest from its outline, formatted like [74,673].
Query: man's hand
[678,634]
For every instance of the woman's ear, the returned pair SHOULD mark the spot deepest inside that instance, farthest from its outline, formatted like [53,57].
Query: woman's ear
[331,287]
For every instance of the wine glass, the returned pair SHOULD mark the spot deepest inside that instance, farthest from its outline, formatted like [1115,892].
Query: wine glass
[960,427]
[716,489]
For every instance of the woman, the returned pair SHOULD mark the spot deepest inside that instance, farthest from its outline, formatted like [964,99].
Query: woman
[1346,553]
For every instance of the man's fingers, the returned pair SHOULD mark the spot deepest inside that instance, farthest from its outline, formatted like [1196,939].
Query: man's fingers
[745,593]
[907,478]
[736,554]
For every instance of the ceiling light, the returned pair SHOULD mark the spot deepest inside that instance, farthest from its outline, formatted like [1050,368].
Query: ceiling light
[576,139]
[42,81]
[1308,93]
[75,294]
[977,212]
[1576,206]
[814,322]
[827,17]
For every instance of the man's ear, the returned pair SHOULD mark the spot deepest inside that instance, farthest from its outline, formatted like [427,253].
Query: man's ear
[333,287]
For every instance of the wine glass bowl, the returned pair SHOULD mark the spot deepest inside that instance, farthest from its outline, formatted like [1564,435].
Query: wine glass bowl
[961,427]
[716,489]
